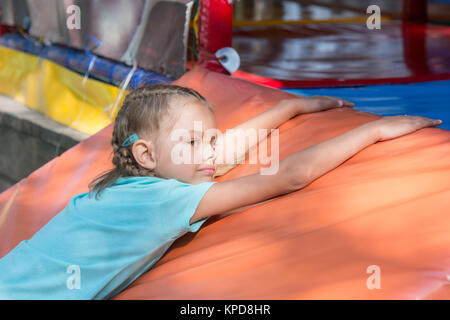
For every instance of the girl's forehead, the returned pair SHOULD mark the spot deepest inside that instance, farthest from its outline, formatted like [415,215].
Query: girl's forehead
[194,115]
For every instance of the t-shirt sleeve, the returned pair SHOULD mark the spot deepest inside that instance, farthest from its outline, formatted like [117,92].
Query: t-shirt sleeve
[183,200]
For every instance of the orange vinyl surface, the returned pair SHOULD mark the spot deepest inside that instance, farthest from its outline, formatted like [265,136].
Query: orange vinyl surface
[388,206]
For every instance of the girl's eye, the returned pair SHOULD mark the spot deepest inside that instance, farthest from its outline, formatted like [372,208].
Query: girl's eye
[194,142]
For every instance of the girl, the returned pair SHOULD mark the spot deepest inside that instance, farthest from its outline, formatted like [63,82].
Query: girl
[106,238]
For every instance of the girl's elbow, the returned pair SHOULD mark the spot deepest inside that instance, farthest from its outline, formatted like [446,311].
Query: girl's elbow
[300,183]
[296,178]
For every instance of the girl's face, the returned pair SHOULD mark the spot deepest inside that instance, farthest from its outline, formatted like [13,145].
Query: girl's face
[185,147]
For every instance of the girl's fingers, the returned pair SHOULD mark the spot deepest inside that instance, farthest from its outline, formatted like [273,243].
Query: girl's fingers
[427,122]
[344,103]
[430,121]
[348,103]
[341,102]
[421,122]
[436,122]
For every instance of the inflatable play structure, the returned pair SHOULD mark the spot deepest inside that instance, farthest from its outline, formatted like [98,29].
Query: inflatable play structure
[376,227]
[385,207]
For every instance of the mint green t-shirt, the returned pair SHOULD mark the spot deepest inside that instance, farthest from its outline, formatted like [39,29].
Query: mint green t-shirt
[95,248]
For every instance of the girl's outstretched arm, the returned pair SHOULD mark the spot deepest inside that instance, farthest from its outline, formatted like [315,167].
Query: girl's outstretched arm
[270,119]
[300,169]
[289,108]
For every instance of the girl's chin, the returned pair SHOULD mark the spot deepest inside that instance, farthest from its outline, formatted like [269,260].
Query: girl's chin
[204,178]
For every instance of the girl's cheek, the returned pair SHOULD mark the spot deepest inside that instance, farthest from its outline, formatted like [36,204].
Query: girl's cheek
[197,156]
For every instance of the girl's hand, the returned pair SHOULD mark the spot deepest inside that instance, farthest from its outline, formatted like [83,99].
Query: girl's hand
[396,126]
[318,103]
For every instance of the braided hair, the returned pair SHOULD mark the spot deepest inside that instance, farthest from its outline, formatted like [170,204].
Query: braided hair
[142,111]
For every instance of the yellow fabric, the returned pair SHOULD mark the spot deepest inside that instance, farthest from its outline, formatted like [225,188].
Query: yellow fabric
[87,105]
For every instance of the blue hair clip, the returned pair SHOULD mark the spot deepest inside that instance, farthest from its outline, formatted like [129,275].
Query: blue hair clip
[130,140]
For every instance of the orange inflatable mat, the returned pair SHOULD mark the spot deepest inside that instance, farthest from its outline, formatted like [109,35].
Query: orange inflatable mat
[376,227]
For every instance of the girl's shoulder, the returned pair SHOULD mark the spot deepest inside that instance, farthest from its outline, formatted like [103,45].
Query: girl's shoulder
[145,189]
[124,188]
[142,185]
[141,180]
[147,181]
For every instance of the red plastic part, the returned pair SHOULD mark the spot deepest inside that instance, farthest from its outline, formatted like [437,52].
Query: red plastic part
[215,31]
[415,10]
[3,30]
[276,83]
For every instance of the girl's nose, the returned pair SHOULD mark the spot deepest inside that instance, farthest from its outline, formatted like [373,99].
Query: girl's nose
[209,154]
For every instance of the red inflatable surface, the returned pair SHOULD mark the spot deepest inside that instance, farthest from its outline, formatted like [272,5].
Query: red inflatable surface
[376,227]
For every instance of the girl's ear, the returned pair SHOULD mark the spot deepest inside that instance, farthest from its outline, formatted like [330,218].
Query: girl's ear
[144,154]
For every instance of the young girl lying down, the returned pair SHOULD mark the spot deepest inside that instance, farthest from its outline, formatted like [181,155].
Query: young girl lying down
[106,238]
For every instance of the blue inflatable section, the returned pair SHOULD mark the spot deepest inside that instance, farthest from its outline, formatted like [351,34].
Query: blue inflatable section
[427,99]
[111,72]
[440,1]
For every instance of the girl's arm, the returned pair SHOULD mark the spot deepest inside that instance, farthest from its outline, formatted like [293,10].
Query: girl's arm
[301,168]
[270,119]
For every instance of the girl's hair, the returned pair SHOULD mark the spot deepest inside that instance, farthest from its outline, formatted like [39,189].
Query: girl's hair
[142,112]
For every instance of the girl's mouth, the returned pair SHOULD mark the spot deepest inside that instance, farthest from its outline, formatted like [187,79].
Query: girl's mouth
[208,170]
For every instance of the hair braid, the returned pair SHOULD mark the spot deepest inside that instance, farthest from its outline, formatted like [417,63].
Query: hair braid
[123,159]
